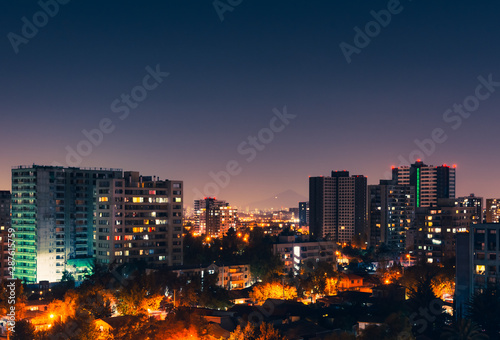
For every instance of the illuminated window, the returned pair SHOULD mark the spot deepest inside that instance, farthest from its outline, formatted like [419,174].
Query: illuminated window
[480,269]
[137,199]
[177,200]
[103,199]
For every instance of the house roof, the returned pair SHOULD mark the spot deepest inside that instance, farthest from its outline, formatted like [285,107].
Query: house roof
[119,321]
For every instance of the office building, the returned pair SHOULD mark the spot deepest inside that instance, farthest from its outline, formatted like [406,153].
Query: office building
[214,217]
[139,219]
[337,206]
[430,182]
[53,216]
[478,262]
[391,214]
[493,210]
[4,233]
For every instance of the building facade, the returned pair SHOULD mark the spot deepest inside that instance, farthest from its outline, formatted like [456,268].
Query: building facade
[430,182]
[475,202]
[434,236]
[303,214]
[229,276]
[139,219]
[337,206]
[391,214]
[478,261]
[214,217]
[493,210]
[53,217]
[297,252]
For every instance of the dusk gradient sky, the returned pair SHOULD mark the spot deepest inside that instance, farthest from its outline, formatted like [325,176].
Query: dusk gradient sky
[226,77]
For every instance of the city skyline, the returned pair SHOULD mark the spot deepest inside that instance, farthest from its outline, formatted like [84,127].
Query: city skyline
[207,85]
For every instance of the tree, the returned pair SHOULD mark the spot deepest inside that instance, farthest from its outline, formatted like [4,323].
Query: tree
[268,332]
[96,301]
[463,329]
[484,310]
[264,332]
[422,298]
[62,310]
[243,333]
[130,299]
[23,330]
[273,290]
[395,327]
[80,327]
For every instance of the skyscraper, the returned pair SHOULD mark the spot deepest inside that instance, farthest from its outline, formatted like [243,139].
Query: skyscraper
[53,216]
[337,206]
[391,213]
[139,218]
[430,182]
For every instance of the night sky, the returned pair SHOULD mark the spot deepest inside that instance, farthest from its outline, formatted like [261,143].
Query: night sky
[227,79]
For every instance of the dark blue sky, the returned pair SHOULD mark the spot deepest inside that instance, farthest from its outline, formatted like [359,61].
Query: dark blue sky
[226,77]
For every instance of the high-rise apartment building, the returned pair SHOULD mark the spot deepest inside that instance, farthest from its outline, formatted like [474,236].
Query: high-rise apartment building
[493,210]
[139,219]
[391,213]
[474,202]
[303,214]
[478,262]
[4,233]
[53,217]
[433,239]
[214,217]
[337,206]
[430,182]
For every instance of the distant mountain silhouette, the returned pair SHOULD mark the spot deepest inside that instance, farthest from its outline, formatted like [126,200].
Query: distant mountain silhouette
[285,199]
